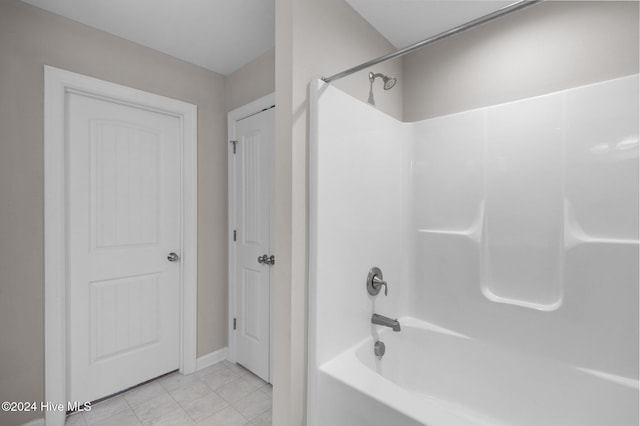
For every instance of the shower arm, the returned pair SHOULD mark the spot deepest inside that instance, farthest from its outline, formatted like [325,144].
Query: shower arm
[460,28]
[373,76]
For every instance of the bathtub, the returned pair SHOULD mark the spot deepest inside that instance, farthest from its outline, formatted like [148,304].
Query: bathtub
[436,377]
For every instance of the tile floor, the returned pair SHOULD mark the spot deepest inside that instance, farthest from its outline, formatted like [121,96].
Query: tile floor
[224,394]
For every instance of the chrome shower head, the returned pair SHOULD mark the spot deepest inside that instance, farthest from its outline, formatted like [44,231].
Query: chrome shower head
[389,82]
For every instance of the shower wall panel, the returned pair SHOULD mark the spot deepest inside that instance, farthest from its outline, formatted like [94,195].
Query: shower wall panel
[448,213]
[360,193]
[526,224]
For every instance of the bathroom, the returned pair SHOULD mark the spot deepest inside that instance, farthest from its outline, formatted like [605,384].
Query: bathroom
[546,49]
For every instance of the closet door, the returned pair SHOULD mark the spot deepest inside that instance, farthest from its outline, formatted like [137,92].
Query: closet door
[254,156]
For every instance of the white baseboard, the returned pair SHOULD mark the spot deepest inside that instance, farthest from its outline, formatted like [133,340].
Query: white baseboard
[36,422]
[211,358]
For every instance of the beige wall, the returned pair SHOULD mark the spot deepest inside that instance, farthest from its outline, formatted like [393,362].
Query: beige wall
[313,39]
[29,39]
[253,81]
[552,46]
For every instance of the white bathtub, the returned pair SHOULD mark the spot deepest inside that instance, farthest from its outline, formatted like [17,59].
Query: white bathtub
[430,376]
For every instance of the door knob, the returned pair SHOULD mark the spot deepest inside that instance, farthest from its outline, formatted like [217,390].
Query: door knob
[267,260]
[173,257]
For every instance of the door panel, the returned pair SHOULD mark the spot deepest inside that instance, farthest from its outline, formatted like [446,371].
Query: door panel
[124,218]
[125,173]
[123,315]
[254,181]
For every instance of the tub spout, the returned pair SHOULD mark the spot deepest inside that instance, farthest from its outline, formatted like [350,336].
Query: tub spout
[387,322]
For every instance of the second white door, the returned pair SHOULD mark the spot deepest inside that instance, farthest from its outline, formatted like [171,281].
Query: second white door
[254,156]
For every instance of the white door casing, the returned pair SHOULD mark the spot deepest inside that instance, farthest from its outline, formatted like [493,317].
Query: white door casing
[250,198]
[60,85]
[123,220]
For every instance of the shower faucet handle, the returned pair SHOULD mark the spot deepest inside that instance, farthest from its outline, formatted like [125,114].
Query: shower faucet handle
[375,282]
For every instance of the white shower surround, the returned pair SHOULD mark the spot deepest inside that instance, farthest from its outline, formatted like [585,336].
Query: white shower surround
[514,225]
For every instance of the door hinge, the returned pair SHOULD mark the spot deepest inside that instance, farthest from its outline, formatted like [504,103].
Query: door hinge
[235,236]
[234,323]
[234,145]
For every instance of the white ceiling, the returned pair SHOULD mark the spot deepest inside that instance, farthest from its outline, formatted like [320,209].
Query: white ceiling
[223,35]
[404,22]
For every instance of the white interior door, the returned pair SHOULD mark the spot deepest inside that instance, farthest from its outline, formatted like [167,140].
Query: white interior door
[254,182]
[123,221]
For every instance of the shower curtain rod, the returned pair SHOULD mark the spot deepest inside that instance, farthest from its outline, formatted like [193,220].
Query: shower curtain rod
[460,28]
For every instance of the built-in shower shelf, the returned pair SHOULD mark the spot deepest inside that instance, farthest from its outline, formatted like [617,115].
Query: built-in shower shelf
[596,240]
[538,306]
[463,232]
[473,232]
[575,235]
[572,239]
